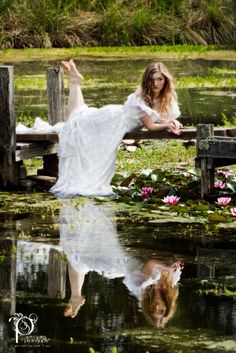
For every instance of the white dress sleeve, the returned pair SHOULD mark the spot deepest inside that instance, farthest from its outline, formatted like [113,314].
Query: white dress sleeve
[136,108]
[175,112]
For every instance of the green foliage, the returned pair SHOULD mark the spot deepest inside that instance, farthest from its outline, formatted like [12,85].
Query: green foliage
[217,290]
[154,155]
[114,350]
[69,23]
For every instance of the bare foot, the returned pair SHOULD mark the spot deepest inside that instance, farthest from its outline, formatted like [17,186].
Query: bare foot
[74,74]
[73,306]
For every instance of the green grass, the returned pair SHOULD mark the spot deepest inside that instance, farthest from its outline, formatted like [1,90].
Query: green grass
[206,81]
[70,23]
[161,51]
[155,155]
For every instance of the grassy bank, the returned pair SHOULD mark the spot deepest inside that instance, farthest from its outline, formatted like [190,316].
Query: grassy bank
[71,23]
[168,52]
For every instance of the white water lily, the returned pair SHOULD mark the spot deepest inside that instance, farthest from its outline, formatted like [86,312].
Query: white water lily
[146,172]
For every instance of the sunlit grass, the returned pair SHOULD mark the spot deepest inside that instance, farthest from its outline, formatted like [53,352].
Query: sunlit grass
[155,155]
[39,82]
[30,82]
[221,71]
[206,81]
[106,53]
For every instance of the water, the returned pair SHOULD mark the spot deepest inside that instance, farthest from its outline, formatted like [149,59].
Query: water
[110,81]
[104,249]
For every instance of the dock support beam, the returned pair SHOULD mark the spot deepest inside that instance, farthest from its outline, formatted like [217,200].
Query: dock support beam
[7,129]
[55,93]
[56,113]
[206,165]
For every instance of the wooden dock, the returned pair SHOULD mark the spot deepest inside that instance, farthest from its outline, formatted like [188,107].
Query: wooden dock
[215,147]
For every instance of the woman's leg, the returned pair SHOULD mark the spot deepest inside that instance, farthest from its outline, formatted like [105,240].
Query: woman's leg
[75,99]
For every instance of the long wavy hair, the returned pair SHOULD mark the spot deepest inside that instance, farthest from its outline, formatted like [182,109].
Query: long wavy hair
[159,300]
[166,94]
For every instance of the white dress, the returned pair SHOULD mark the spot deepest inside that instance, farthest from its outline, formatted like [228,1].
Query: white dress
[88,142]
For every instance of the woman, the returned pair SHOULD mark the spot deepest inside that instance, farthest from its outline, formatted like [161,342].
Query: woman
[91,136]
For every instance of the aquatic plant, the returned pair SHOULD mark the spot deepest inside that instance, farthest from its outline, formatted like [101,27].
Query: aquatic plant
[233,211]
[146,192]
[223,201]
[218,290]
[225,173]
[171,200]
[219,184]
[113,350]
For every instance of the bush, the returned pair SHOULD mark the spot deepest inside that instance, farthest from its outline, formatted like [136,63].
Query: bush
[69,23]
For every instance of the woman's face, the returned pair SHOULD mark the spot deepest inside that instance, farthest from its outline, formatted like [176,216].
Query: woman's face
[158,81]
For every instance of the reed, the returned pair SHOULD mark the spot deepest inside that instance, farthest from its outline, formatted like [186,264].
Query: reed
[71,23]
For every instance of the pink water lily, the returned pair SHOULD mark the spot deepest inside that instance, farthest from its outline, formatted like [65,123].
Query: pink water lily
[223,201]
[146,191]
[225,173]
[219,184]
[233,211]
[171,200]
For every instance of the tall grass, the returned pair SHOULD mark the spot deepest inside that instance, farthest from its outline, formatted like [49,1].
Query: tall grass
[70,23]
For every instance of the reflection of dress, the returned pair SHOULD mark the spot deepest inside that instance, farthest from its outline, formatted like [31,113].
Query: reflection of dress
[89,238]
[88,144]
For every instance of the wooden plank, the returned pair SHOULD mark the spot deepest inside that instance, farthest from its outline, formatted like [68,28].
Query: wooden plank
[7,130]
[223,162]
[36,150]
[37,137]
[217,149]
[187,134]
[55,93]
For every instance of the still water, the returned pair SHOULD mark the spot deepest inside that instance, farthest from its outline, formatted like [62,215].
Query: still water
[94,275]
[109,81]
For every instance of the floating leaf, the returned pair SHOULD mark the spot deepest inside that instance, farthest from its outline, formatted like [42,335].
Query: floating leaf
[215,217]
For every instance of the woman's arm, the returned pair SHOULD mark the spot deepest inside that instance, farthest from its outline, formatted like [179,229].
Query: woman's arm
[172,125]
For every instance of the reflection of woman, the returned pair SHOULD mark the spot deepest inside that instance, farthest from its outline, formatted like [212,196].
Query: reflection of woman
[89,238]
[77,299]
[91,136]
[159,298]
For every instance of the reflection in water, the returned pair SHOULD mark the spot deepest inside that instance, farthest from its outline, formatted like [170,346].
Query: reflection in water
[89,238]
[122,287]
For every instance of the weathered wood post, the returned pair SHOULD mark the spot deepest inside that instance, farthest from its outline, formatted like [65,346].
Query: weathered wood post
[55,92]
[56,275]
[7,129]
[205,164]
[8,273]
[234,15]
[56,113]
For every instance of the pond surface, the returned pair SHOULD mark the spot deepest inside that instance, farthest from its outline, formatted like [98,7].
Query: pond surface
[107,255]
[204,87]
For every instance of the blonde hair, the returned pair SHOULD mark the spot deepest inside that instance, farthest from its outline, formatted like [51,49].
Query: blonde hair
[159,300]
[168,91]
